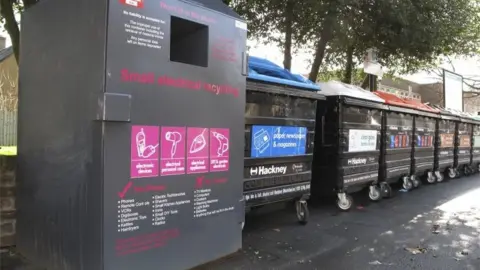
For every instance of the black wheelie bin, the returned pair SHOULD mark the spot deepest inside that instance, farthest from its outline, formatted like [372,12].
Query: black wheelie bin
[397,142]
[425,122]
[463,143]
[463,153]
[347,144]
[476,145]
[279,135]
[445,144]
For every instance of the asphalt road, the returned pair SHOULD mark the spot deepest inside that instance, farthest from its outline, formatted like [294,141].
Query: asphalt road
[434,227]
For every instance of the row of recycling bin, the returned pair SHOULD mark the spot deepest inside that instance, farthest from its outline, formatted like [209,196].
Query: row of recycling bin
[329,140]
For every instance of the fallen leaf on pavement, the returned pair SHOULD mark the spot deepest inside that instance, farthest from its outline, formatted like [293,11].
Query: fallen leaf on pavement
[416,250]
[379,263]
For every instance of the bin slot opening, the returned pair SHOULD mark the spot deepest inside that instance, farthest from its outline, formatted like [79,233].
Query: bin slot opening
[188,42]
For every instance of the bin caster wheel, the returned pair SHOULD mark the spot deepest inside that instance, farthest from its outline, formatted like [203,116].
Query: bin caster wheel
[386,190]
[374,193]
[466,171]
[431,178]
[302,212]
[457,173]
[451,173]
[344,201]
[439,176]
[407,183]
[471,170]
[415,181]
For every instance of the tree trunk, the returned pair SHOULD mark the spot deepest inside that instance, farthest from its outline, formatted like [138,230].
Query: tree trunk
[287,53]
[11,25]
[365,82]
[347,76]
[325,37]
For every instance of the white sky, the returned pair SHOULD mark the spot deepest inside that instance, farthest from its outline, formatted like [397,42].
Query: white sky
[300,65]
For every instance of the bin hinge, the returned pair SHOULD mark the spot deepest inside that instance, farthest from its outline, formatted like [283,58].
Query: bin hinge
[114,107]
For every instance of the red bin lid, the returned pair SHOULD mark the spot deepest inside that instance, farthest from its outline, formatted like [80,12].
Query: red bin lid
[392,99]
[420,105]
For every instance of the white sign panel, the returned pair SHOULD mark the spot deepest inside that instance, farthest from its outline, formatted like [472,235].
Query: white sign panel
[476,141]
[362,140]
[453,84]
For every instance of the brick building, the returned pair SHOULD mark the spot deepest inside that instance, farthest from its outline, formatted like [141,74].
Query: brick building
[431,93]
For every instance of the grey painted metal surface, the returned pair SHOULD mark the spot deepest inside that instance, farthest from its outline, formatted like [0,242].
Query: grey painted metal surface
[194,114]
[140,163]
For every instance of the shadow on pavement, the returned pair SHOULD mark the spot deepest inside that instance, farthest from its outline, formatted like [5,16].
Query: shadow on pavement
[434,227]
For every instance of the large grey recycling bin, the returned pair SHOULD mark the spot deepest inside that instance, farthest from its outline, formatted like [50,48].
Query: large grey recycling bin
[131,118]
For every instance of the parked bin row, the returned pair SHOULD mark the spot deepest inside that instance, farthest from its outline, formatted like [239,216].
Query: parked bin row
[329,139]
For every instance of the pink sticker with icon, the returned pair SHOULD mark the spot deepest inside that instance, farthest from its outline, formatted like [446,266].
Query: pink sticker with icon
[219,149]
[197,150]
[144,151]
[172,159]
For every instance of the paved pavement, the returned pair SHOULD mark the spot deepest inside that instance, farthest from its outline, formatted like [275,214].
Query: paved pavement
[435,227]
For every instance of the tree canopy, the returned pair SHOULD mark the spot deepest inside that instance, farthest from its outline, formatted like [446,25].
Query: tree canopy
[409,35]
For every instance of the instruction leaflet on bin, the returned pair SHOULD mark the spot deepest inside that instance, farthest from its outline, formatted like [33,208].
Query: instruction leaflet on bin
[171,151]
[362,140]
[278,141]
[141,30]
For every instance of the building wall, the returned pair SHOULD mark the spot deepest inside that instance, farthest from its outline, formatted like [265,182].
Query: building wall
[400,88]
[8,101]
[471,103]
[433,93]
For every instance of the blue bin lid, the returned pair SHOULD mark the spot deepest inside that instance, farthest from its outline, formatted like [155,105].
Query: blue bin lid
[260,69]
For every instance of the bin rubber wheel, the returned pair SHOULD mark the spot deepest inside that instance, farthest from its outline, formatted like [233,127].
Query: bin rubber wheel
[345,204]
[451,173]
[440,176]
[407,183]
[431,179]
[302,212]
[416,183]
[386,190]
[374,193]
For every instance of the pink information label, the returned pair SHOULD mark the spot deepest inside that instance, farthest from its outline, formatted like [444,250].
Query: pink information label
[197,150]
[172,159]
[144,151]
[219,149]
